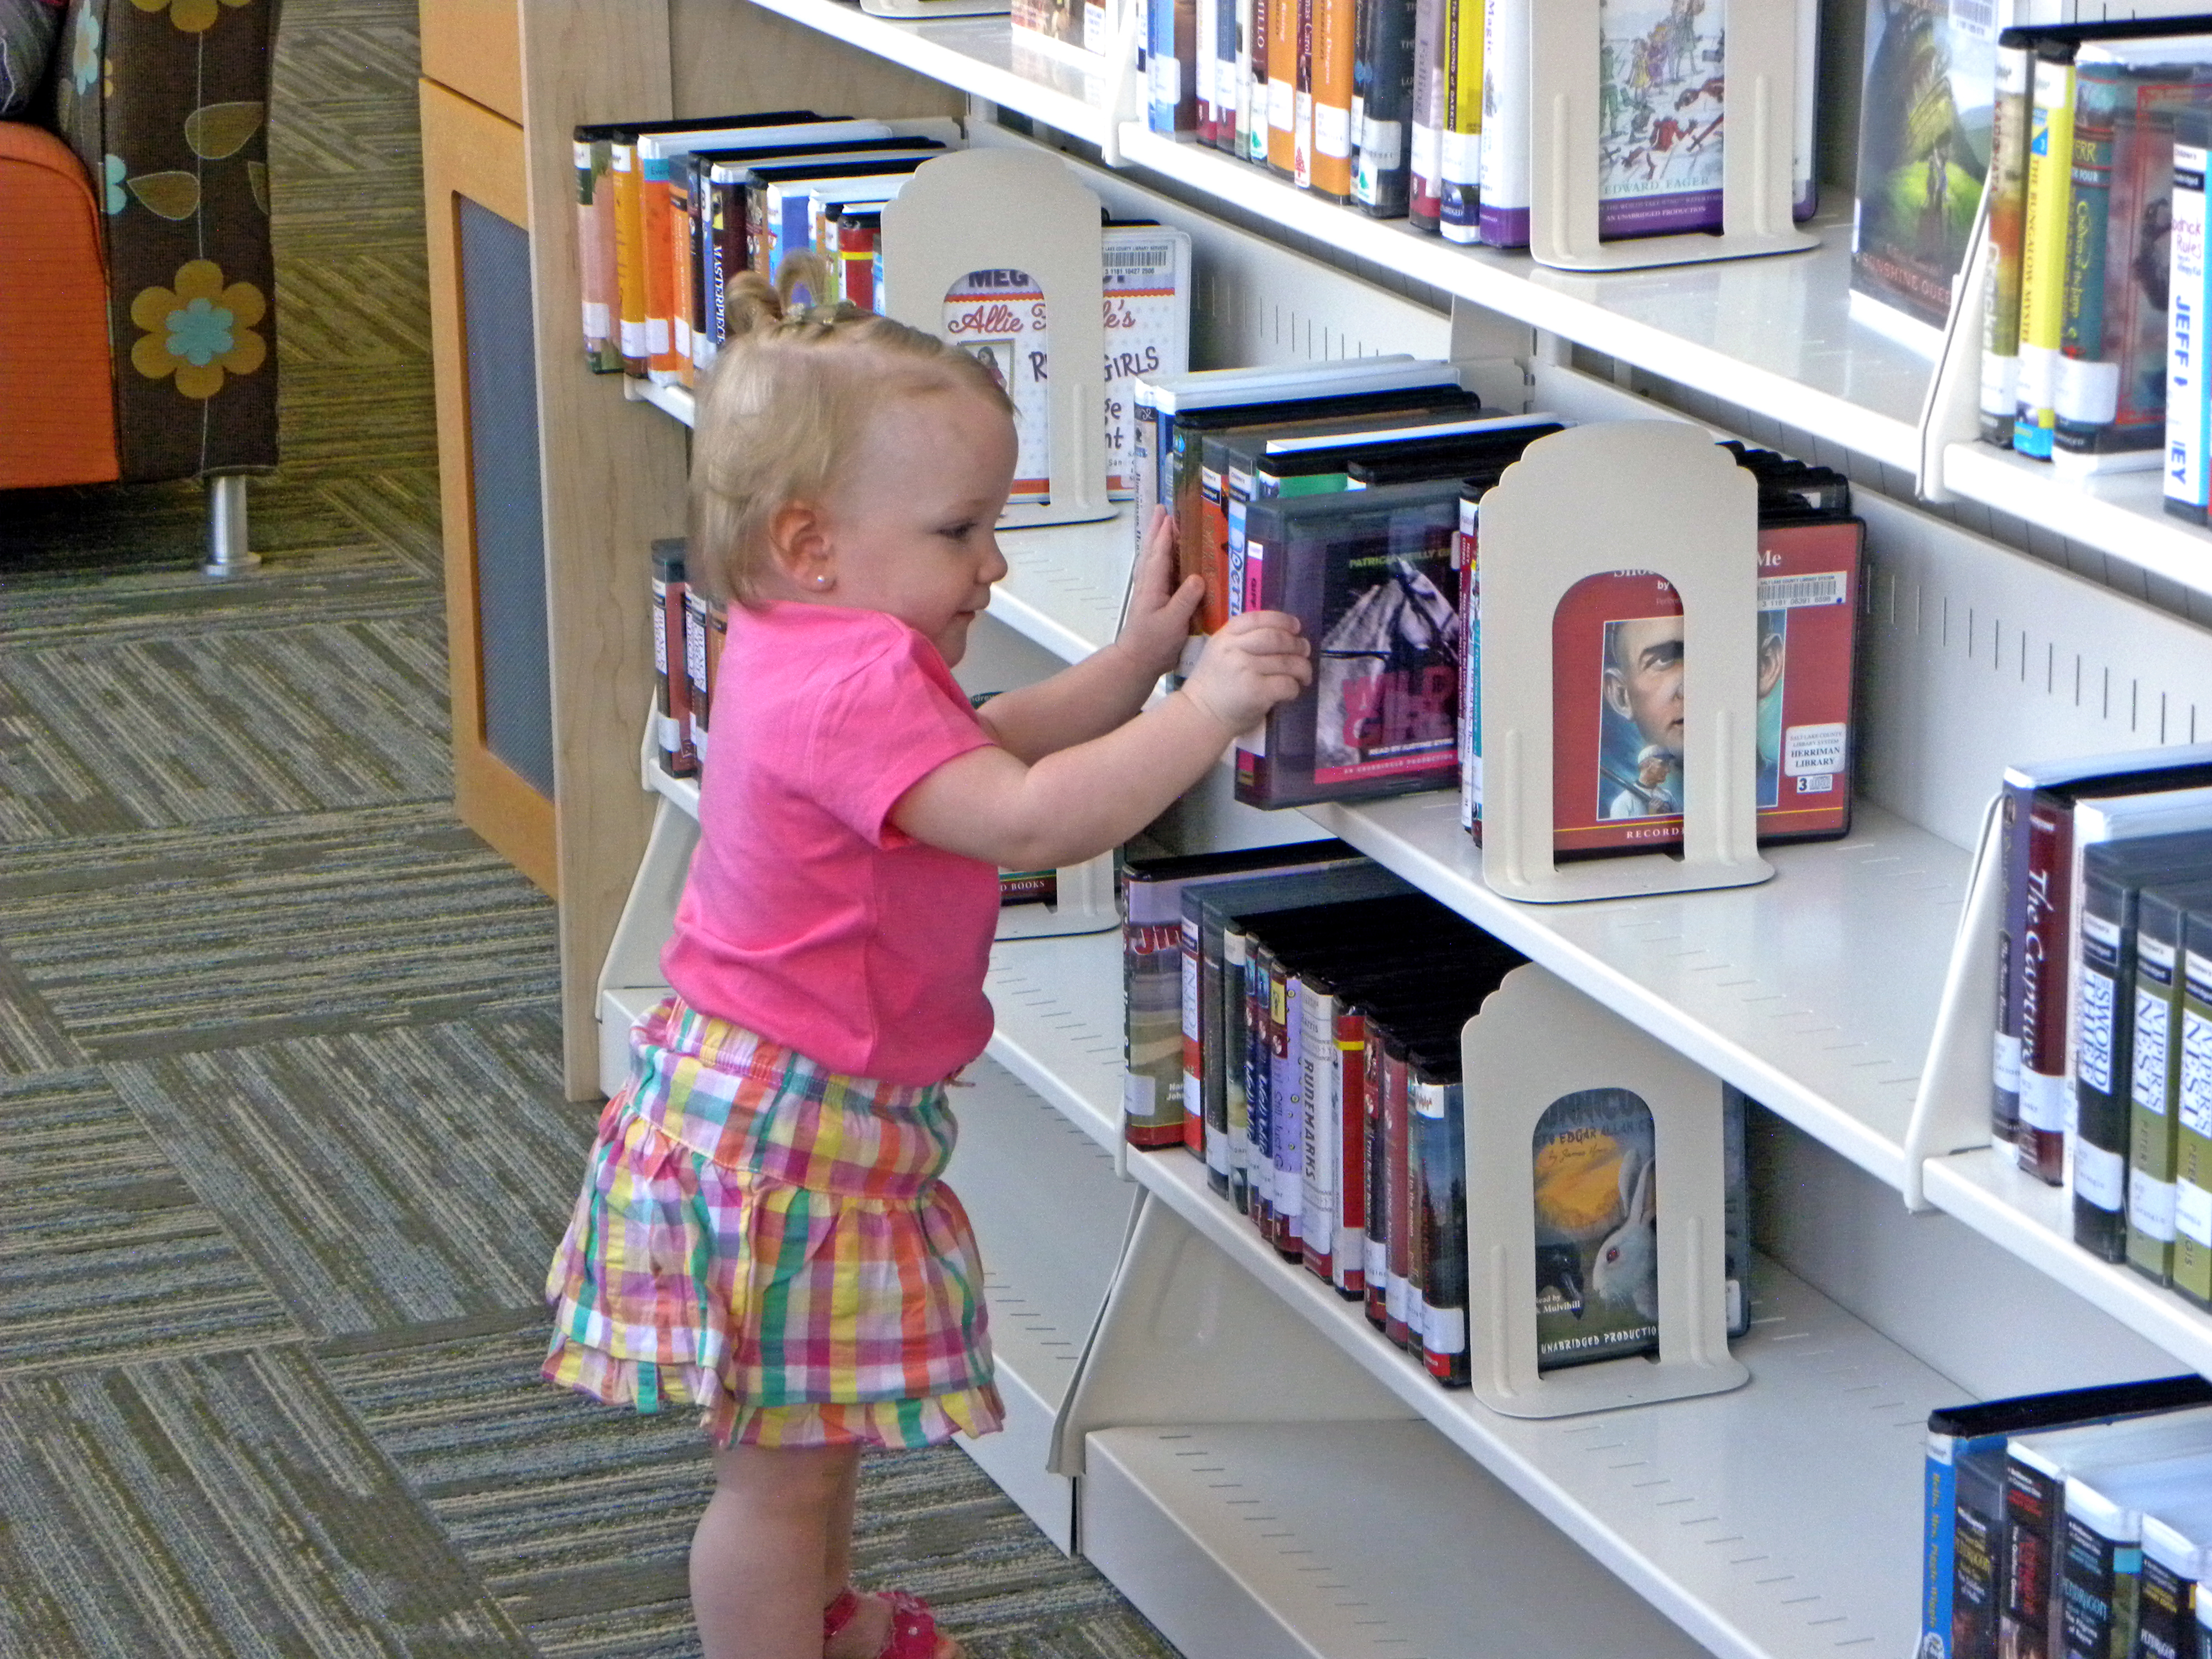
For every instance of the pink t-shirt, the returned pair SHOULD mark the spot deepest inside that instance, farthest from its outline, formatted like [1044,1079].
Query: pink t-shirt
[808,917]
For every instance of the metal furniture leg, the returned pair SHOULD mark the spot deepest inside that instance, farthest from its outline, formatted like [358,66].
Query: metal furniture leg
[228,553]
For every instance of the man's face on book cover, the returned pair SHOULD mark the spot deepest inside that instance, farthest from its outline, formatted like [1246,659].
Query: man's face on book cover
[1644,678]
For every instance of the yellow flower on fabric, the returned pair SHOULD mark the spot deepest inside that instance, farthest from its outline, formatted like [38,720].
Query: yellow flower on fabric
[200,331]
[192,16]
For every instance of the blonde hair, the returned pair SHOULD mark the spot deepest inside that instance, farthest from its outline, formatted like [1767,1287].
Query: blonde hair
[789,400]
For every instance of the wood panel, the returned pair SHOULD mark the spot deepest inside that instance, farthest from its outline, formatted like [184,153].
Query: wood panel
[730,57]
[475,47]
[467,151]
[613,481]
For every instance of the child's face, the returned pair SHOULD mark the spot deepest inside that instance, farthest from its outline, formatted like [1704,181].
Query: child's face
[1643,681]
[913,530]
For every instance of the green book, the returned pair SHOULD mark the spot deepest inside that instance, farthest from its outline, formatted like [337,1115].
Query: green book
[2153,1066]
[2192,1112]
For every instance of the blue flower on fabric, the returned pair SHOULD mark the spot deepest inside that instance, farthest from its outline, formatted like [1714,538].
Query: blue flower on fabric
[200,333]
[84,57]
[118,198]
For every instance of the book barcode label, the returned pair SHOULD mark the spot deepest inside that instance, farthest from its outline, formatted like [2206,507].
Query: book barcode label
[1976,19]
[2100,1175]
[2196,1091]
[2147,1083]
[1137,1095]
[2094,1056]
[2150,1206]
[1144,256]
[1788,592]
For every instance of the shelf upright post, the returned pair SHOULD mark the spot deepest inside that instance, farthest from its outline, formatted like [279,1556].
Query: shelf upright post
[1757,163]
[987,208]
[1657,495]
[1511,1078]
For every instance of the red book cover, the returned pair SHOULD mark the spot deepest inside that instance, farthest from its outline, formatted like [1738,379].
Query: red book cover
[1349,1274]
[1617,694]
[2041,1134]
[1397,1196]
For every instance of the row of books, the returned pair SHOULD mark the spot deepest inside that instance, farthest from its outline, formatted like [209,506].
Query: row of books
[689,631]
[1294,1021]
[670,212]
[2102,1077]
[1419,109]
[2084,240]
[2067,1524]
[1350,495]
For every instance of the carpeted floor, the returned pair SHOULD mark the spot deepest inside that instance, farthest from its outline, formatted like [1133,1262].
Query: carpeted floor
[280,1127]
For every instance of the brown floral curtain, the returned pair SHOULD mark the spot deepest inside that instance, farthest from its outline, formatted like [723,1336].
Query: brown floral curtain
[166,103]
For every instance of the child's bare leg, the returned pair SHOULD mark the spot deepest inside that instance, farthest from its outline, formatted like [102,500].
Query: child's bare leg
[864,1638]
[758,1559]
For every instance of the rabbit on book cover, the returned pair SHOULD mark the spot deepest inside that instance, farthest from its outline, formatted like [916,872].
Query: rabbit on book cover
[1597,1247]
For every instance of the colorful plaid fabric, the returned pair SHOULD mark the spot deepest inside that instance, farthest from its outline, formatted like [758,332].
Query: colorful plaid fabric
[770,1241]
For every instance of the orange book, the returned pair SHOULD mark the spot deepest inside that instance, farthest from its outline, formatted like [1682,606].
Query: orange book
[629,251]
[1282,85]
[1334,37]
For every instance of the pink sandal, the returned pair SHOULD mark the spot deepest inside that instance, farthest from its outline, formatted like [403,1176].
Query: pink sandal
[913,1627]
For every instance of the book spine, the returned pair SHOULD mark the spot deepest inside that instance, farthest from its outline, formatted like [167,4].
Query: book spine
[1204,1073]
[1222,44]
[684,281]
[1505,124]
[1424,189]
[2004,1096]
[1172,91]
[1459,159]
[2102,1033]
[2185,494]
[1227,1047]
[2085,385]
[1397,1206]
[857,247]
[595,252]
[1335,23]
[1938,1570]
[1252,80]
[672,679]
[2163,1599]
[1259,1077]
[1282,80]
[706,271]
[2031,1505]
[695,633]
[1156,978]
[2192,1139]
[653,209]
[1213,537]
[725,221]
[2043,256]
[1376,1257]
[1379,180]
[2098,1575]
[1209,123]
[1286,1109]
[1470,678]
[2153,1073]
[1350,1087]
[1319,1159]
[1976,1545]
[1439,1108]
[2008,194]
[1302,104]
[2043,1099]
[630,257]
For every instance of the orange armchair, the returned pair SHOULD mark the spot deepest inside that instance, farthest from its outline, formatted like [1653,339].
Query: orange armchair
[137,281]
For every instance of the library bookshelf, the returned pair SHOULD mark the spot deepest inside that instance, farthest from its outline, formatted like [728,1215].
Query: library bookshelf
[1224,1435]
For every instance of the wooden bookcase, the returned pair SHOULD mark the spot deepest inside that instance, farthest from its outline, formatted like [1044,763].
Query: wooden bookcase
[1226,1439]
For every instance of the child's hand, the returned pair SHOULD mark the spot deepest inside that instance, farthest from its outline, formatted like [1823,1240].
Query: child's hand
[1160,610]
[1258,660]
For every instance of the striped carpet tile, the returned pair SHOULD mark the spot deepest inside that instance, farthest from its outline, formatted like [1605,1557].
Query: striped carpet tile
[372,587]
[224,1504]
[190,939]
[380,1179]
[156,732]
[106,1254]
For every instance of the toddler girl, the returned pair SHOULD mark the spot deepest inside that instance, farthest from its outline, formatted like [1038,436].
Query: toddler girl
[762,1232]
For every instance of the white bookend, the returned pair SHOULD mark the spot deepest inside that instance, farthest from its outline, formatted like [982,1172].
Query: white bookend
[1757,166]
[1510,1080]
[1008,209]
[1652,496]
[1950,1106]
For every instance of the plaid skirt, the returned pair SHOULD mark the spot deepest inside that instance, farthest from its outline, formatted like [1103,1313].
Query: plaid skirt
[769,1240]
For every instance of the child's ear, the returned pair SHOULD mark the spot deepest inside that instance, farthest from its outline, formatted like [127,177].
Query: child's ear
[799,542]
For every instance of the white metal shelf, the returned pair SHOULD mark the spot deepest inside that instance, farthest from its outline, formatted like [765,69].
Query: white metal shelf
[1355,1540]
[2120,513]
[1758,1533]
[1986,1189]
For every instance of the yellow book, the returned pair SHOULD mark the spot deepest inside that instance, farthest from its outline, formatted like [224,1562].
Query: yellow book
[1460,136]
[629,251]
[2043,254]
